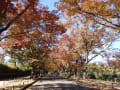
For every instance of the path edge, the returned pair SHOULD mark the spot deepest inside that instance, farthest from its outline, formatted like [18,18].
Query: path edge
[28,85]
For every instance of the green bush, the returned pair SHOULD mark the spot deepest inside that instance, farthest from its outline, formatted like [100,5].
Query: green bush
[12,72]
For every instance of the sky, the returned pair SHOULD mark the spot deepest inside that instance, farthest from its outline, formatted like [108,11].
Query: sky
[116,44]
[49,3]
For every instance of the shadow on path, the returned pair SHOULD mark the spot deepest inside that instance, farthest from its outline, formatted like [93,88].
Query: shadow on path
[58,83]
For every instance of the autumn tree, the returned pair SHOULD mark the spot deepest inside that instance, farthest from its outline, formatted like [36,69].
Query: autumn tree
[33,35]
[113,60]
[94,22]
[63,55]
[103,12]
[11,11]
[82,45]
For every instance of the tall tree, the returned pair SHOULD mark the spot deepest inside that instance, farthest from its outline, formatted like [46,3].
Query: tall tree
[83,45]
[96,27]
[33,35]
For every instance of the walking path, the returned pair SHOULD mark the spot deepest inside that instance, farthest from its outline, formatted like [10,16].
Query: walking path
[16,83]
[57,83]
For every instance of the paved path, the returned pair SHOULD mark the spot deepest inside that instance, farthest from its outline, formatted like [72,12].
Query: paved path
[57,83]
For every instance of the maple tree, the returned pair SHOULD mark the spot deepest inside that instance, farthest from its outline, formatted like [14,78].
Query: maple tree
[33,36]
[113,58]
[95,26]
[113,66]
[103,12]
[83,44]
[112,61]
[62,56]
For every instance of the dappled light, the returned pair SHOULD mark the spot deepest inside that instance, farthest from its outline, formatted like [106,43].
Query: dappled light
[59,44]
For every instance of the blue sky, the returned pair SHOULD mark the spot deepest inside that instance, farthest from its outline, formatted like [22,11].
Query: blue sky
[116,44]
[49,3]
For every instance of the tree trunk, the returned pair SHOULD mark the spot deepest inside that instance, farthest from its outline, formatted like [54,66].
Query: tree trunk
[75,70]
[15,64]
[84,72]
[70,73]
[32,72]
[31,76]
[84,75]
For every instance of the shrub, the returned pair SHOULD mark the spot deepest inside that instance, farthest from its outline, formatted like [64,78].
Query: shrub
[12,72]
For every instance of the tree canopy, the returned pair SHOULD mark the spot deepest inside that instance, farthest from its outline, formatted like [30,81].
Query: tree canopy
[34,36]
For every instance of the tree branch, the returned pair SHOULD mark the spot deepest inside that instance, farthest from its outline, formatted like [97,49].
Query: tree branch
[11,22]
[101,17]
[100,52]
